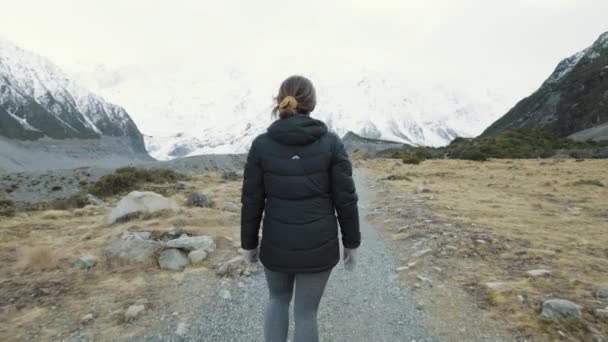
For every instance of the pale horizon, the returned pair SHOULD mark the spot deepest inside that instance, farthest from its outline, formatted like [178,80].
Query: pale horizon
[509,47]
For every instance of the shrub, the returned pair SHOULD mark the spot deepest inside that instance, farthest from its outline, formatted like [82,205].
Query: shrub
[127,179]
[230,176]
[593,182]
[75,201]
[7,207]
[411,160]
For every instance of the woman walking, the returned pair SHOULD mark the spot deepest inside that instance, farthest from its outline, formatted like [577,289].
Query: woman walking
[299,177]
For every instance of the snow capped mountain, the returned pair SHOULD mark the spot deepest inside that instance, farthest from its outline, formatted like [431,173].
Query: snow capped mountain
[38,99]
[188,110]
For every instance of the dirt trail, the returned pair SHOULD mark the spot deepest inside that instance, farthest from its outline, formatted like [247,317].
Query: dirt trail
[365,305]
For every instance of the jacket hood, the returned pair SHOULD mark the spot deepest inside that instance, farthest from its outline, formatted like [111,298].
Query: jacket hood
[299,129]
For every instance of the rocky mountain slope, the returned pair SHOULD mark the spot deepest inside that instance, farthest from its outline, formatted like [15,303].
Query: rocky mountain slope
[187,109]
[37,99]
[574,98]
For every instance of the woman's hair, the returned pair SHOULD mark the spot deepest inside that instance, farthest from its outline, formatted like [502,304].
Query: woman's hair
[296,96]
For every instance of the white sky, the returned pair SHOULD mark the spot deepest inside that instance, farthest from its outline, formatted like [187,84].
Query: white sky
[509,46]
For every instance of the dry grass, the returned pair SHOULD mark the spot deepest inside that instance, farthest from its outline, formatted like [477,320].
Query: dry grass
[535,214]
[42,297]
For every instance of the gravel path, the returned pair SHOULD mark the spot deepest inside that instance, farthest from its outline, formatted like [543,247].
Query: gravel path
[365,305]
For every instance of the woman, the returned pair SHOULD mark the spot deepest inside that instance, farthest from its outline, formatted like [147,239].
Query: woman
[299,175]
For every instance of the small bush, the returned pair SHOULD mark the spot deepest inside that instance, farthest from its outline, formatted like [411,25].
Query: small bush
[413,160]
[7,208]
[127,179]
[75,201]
[230,176]
[593,182]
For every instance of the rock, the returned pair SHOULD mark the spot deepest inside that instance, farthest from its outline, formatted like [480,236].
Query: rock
[601,313]
[86,318]
[557,308]
[182,329]
[86,261]
[172,259]
[423,279]
[193,243]
[94,200]
[133,312]
[538,273]
[132,251]
[136,235]
[421,189]
[225,294]
[422,253]
[231,207]
[402,268]
[141,202]
[494,284]
[197,257]
[181,185]
[197,199]
[601,292]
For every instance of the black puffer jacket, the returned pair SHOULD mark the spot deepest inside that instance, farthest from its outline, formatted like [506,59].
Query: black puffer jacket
[299,175]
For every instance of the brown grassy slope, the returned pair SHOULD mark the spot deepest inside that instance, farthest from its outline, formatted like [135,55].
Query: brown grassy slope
[550,214]
[42,297]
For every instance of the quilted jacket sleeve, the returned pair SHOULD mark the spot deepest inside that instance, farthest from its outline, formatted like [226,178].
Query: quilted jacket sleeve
[253,199]
[344,196]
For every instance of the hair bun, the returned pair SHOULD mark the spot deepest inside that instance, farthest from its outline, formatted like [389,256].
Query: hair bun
[288,103]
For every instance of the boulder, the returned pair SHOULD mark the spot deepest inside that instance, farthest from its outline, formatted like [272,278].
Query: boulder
[197,199]
[558,308]
[197,257]
[132,251]
[192,243]
[231,207]
[85,261]
[133,312]
[172,259]
[141,202]
[538,273]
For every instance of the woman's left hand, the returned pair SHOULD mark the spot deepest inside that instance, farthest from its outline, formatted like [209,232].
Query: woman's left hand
[251,255]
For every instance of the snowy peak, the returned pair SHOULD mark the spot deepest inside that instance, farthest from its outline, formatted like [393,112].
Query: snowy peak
[189,109]
[572,99]
[38,99]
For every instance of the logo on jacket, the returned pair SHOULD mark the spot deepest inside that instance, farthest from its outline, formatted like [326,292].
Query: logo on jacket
[295,157]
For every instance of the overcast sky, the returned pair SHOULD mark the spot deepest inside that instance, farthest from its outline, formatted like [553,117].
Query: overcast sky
[510,46]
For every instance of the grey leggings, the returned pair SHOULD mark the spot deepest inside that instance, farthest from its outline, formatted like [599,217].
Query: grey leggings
[309,288]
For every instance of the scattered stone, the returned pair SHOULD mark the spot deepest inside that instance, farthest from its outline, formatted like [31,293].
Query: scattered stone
[225,294]
[197,199]
[412,264]
[197,257]
[86,319]
[402,268]
[452,248]
[181,185]
[141,202]
[422,253]
[94,200]
[481,242]
[132,251]
[438,269]
[86,261]
[494,284]
[538,273]
[522,299]
[556,308]
[182,329]
[423,279]
[601,313]
[231,207]
[421,189]
[193,243]
[601,292]
[136,235]
[172,259]
[133,312]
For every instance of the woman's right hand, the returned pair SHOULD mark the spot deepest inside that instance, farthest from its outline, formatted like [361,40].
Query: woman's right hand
[350,258]
[251,255]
